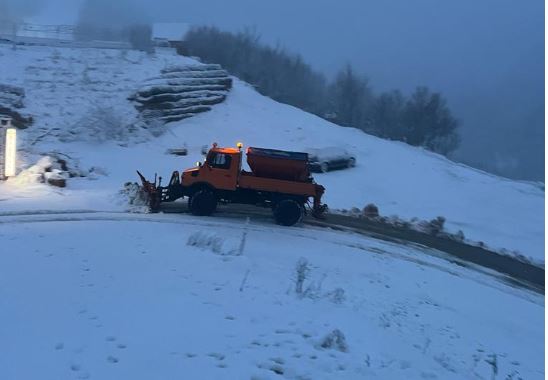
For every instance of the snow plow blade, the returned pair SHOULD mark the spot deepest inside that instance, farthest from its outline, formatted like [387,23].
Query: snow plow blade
[153,194]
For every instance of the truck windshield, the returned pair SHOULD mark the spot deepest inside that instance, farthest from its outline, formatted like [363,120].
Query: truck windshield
[219,160]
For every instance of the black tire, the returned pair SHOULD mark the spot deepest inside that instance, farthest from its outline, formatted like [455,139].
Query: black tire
[203,203]
[288,212]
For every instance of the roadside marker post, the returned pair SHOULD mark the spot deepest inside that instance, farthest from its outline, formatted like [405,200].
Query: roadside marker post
[8,148]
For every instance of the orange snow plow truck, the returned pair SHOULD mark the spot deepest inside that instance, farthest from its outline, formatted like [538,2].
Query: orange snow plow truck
[278,179]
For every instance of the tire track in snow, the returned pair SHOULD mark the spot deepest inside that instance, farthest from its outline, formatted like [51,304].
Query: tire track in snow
[263,224]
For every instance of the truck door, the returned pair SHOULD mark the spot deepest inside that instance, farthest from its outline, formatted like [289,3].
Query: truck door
[222,170]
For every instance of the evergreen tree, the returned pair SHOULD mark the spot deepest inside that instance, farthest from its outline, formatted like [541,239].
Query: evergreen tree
[350,99]
[387,116]
[430,122]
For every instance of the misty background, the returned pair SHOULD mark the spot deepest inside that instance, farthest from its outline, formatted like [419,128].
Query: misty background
[486,58]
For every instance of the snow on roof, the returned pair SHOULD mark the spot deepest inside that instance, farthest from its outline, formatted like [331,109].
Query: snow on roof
[173,31]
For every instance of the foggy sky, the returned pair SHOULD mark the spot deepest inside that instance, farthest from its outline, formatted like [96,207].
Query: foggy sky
[486,57]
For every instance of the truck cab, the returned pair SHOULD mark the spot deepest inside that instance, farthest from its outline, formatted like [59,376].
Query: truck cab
[220,170]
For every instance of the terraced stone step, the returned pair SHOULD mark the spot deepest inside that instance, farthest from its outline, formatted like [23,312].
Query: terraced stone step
[173,97]
[186,68]
[181,92]
[211,100]
[151,91]
[226,81]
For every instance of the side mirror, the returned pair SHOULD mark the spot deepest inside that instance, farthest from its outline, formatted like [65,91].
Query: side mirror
[198,164]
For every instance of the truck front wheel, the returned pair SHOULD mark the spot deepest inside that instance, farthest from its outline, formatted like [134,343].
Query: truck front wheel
[203,203]
[288,212]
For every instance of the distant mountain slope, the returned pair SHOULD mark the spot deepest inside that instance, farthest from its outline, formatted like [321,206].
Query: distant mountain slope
[63,85]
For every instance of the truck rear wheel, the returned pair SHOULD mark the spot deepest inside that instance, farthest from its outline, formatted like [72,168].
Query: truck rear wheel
[288,212]
[203,203]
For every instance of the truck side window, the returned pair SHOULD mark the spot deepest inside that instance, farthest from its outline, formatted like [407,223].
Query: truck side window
[220,161]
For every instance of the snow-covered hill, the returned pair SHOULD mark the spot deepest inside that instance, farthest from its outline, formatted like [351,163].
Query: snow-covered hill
[65,87]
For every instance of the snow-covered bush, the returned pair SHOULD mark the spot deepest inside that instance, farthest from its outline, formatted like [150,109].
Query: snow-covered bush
[301,272]
[99,124]
[370,211]
[203,240]
[49,169]
[335,340]
[395,221]
[33,174]
[68,164]
[437,224]
[337,296]
[458,236]
[432,227]
[134,195]
[56,177]
[95,172]
[213,242]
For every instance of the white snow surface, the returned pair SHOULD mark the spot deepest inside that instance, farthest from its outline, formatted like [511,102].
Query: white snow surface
[123,296]
[100,293]
[64,87]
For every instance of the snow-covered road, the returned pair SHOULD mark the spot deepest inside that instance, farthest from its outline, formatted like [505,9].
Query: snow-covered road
[130,298]
[506,268]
